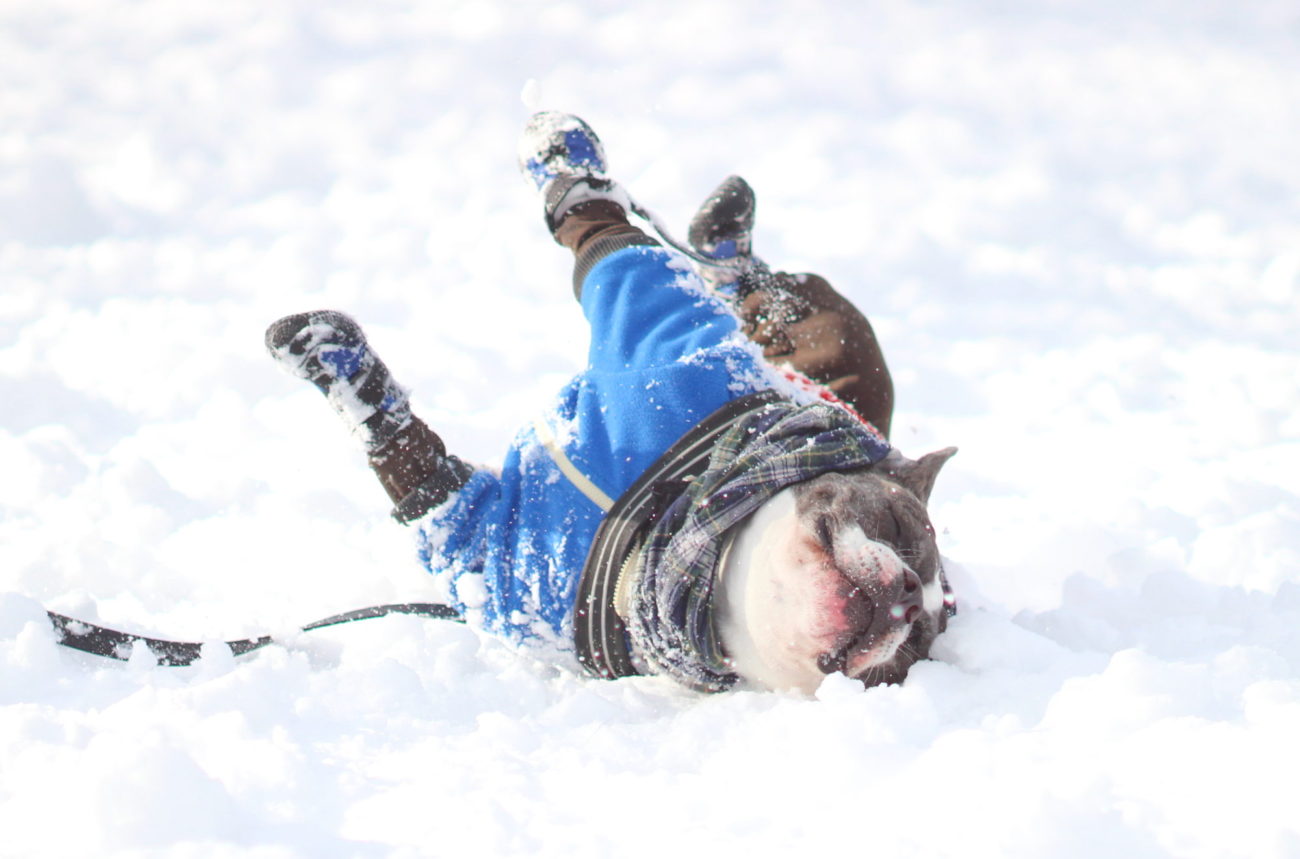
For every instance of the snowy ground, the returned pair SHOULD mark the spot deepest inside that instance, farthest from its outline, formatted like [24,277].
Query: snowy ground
[1075,225]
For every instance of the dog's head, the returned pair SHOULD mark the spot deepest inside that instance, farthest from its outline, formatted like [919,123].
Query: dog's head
[840,573]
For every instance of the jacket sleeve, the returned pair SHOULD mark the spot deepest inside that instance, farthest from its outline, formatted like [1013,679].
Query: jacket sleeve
[648,308]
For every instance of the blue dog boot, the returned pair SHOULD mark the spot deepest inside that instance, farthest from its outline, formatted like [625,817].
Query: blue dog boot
[329,349]
[564,159]
[555,145]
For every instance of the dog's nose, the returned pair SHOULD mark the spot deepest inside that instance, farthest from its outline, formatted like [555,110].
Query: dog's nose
[908,606]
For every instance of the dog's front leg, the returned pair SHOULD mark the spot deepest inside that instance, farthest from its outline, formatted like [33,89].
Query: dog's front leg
[802,321]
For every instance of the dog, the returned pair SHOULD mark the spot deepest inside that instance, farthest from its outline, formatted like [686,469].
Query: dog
[713,499]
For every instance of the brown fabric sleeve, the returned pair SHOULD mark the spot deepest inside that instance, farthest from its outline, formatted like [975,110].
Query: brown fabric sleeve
[802,322]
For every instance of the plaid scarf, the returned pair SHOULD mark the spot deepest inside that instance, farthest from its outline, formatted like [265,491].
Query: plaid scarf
[671,622]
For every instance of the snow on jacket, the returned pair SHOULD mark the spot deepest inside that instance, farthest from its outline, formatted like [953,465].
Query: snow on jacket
[509,547]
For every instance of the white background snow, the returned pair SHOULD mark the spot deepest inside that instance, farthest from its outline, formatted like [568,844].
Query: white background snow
[1075,225]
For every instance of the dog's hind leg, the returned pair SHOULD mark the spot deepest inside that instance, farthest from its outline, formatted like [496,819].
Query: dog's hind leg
[584,209]
[330,350]
[594,229]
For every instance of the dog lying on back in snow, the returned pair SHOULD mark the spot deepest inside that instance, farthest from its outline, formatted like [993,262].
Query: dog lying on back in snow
[712,499]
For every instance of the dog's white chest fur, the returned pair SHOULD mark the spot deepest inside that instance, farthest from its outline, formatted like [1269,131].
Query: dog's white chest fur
[745,621]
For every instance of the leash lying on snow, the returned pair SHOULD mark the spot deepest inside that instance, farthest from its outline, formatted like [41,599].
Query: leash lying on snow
[102,641]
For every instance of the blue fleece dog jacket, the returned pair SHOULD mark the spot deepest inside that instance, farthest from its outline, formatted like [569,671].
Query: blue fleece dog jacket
[509,547]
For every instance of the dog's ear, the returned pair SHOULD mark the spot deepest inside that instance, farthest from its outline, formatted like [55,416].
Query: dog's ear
[918,475]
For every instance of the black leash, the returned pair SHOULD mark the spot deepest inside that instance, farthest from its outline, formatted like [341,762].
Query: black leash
[102,641]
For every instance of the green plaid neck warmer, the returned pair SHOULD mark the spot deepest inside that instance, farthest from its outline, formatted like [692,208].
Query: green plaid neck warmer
[777,446]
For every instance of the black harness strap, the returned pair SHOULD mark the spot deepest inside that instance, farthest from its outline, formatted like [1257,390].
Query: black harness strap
[599,634]
[102,641]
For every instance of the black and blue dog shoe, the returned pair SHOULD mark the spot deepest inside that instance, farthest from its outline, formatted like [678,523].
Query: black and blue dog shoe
[329,349]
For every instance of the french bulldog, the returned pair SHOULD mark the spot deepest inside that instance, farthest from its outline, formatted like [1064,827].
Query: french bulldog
[792,540]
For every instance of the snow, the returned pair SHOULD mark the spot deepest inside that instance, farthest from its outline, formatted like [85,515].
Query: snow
[1074,225]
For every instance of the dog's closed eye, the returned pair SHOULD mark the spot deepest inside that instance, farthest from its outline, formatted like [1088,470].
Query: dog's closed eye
[825,535]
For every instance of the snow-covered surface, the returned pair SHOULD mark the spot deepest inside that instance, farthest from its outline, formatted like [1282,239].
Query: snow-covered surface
[1076,226]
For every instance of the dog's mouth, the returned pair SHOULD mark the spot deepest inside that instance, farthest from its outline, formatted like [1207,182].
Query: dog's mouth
[833,663]
[875,660]
[857,614]
[875,629]
[870,656]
